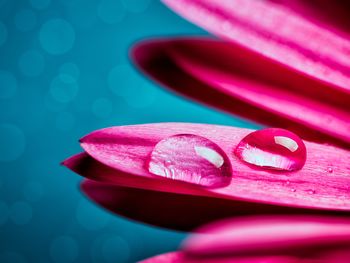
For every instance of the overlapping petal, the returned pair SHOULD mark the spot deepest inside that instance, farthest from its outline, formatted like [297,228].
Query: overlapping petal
[239,81]
[278,239]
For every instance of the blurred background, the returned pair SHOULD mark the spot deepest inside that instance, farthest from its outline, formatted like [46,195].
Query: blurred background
[64,72]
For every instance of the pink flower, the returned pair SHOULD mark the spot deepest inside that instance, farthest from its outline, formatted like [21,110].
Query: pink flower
[279,63]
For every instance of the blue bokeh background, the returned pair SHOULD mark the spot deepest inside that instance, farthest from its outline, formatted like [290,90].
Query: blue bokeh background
[64,72]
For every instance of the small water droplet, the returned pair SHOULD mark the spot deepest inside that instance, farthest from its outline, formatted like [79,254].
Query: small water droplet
[272,148]
[190,158]
[287,183]
[294,190]
[330,170]
[311,191]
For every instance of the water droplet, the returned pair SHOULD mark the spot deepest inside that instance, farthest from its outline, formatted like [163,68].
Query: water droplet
[330,170]
[272,148]
[294,190]
[311,191]
[191,158]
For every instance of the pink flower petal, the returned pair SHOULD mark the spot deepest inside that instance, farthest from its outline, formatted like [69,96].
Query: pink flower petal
[270,235]
[261,239]
[179,257]
[332,14]
[170,209]
[277,32]
[171,257]
[242,82]
[321,184]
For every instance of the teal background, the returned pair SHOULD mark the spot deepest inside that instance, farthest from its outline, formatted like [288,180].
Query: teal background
[64,72]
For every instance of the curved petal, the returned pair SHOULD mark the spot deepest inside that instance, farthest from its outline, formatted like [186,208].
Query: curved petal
[171,257]
[278,239]
[315,186]
[239,81]
[277,32]
[331,14]
[292,235]
[179,257]
[161,203]
[164,209]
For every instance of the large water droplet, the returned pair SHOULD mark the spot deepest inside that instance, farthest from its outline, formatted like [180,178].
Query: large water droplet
[191,158]
[272,148]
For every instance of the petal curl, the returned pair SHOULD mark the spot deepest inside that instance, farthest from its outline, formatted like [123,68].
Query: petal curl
[236,80]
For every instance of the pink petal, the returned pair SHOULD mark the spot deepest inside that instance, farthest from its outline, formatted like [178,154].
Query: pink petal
[268,235]
[277,32]
[127,149]
[242,82]
[169,209]
[333,14]
[278,239]
[179,257]
[171,257]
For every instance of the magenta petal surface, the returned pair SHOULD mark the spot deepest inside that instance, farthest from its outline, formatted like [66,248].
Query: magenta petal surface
[127,149]
[179,257]
[277,32]
[268,235]
[170,209]
[171,257]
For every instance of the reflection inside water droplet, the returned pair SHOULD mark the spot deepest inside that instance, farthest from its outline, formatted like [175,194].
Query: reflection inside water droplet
[190,158]
[272,148]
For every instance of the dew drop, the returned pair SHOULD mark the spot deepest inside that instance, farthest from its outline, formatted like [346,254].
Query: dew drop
[192,159]
[311,191]
[330,170]
[272,148]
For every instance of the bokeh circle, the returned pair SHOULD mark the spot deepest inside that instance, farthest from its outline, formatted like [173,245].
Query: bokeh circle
[57,36]
[64,88]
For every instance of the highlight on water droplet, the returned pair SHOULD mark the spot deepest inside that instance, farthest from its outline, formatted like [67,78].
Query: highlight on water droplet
[272,148]
[192,159]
